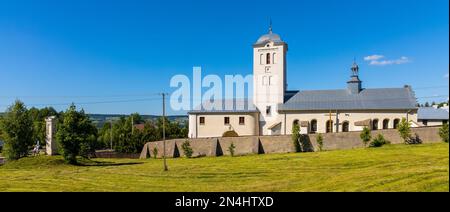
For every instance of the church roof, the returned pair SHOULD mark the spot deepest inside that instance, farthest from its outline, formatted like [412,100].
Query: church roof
[226,106]
[366,99]
[431,113]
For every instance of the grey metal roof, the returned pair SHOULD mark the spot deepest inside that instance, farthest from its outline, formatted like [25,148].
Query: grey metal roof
[430,113]
[226,106]
[367,99]
[269,37]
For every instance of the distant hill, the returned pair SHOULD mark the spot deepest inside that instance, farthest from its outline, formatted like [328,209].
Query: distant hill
[100,119]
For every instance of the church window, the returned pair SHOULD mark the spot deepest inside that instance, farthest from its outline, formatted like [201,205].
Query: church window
[385,124]
[396,122]
[261,59]
[345,126]
[242,120]
[264,80]
[270,80]
[329,126]
[226,120]
[268,58]
[296,121]
[313,126]
[273,58]
[375,124]
[202,120]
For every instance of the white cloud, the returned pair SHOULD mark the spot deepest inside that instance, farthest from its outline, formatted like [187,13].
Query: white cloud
[401,60]
[373,57]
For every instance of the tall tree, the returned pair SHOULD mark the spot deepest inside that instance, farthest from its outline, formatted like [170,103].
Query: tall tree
[17,131]
[76,135]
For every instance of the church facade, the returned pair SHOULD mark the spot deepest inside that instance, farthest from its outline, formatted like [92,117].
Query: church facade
[274,110]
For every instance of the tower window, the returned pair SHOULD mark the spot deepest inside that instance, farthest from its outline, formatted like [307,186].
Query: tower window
[202,120]
[268,110]
[273,58]
[268,58]
[261,59]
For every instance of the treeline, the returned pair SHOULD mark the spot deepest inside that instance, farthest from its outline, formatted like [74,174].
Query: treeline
[128,135]
[427,104]
[76,135]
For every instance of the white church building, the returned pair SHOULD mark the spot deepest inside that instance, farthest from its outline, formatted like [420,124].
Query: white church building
[273,110]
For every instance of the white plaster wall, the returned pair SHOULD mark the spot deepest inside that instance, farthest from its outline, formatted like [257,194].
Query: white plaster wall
[214,125]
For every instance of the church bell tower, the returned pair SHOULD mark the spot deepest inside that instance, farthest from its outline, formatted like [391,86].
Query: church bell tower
[269,79]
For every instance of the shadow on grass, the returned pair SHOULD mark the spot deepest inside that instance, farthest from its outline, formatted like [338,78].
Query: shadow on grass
[87,162]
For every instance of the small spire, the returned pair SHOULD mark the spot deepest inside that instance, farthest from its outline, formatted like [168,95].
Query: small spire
[270,26]
[355,68]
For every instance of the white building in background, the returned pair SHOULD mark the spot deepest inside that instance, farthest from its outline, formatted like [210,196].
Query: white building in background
[274,110]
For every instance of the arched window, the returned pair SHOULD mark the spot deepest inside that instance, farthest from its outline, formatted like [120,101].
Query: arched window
[329,126]
[268,58]
[273,57]
[386,124]
[270,80]
[313,126]
[396,122]
[261,59]
[345,126]
[375,124]
[264,80]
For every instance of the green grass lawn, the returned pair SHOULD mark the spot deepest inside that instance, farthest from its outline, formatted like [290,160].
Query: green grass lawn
[391,168]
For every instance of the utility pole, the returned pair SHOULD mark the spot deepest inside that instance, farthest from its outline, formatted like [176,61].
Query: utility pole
[111,134]
[164,130]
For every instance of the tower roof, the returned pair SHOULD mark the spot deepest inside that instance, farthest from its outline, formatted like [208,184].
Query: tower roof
[269,37]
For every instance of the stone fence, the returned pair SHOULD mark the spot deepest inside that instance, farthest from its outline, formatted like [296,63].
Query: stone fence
[277,144]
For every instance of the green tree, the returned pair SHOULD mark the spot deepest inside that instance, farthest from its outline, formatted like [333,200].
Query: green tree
[365,136]
[443,133]
[187,149]
[76,135]
[404,128]
[295,137]
[17,131]
[319,140]
[38,117]
[231,149]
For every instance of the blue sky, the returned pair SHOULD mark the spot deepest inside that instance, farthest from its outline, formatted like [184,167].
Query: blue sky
[55,52]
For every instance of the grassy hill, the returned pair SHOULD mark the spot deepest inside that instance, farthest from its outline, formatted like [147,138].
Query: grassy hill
[391,168]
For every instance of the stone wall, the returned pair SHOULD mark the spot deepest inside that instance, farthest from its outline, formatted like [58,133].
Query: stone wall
[279,144]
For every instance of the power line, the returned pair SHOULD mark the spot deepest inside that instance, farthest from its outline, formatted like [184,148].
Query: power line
[92,103]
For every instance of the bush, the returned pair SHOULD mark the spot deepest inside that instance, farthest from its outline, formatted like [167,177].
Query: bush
[186,146]
[231,149]
[379,141]
[231,133]
[155,152]
[404,128]
[443,133]
[296,137]
[320,141]
[365,136]
[17,131]
[414,139]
